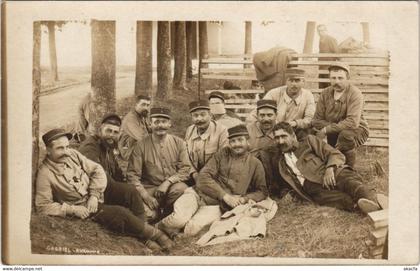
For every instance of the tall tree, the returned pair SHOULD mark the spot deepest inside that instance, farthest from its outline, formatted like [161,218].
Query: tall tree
[103,68]
[309,37]
[36,87]
[191,29]
[173,35]
[180,56]
[164,72]
[203,46]
[52,27]
[366,34]
[53,50]
[248,41]
[144,68]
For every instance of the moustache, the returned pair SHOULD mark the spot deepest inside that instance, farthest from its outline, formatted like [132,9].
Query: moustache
[161,129]
[199,123]
[64,156]
[266,122]
[282,146]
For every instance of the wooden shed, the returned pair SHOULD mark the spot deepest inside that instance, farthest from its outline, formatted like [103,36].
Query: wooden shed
[369,72]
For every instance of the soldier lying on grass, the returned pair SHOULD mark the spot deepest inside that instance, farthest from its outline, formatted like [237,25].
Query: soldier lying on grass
[315,171]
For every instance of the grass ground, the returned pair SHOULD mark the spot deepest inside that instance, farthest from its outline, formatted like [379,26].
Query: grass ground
[298,229]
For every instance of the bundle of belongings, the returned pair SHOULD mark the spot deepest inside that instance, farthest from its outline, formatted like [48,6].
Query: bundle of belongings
[270,66]
[246,221]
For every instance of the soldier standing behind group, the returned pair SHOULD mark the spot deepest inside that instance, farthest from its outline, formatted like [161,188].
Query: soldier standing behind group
[327,44]
[135,126]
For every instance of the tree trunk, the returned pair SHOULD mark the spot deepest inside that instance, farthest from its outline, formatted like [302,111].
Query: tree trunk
[103,69]
[53,51]
[190,30]
[173,35]
[309,37]
[366,34]
[203,42]
[248,41]
[194,50]
[180,56]
[36,87]
[163,61]
[144,68]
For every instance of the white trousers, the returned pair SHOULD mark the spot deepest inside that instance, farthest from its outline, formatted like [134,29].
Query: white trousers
[190,213]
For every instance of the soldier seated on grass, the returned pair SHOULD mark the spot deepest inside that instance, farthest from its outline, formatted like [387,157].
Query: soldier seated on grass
[230,178]
[102,147]
[159,166]
[69,184]
[315,171]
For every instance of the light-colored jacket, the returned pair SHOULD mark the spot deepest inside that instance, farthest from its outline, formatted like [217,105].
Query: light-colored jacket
[301,109]
[59,186]
[133,129]
[202,147]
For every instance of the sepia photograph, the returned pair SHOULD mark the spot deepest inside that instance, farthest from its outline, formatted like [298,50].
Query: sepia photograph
[263,137]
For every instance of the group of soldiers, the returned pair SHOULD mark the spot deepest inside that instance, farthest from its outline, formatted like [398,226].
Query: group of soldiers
[288,145]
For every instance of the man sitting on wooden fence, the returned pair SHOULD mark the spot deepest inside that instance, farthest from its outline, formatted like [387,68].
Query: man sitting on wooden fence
[339,114]
[295,104]
[315,171]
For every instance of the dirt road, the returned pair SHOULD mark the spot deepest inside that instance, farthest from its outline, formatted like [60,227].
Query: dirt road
[61,107]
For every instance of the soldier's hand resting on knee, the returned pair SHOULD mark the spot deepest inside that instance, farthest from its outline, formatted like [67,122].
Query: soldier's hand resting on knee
[79,211]
[150,201]
[329,179]
[162,189]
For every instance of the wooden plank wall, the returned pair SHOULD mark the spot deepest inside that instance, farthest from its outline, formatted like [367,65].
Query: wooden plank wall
[370,72]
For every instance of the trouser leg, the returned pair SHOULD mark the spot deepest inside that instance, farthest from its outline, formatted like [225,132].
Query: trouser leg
[184,208]
[346,141]
[174,192]
[121,220]
[350,182]
[332,198]
[151,214]
[205,215]
[124,195]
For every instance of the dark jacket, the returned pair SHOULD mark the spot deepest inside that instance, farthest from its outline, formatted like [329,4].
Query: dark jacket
[219,177]
[313,157]
[345,113]
[94,149]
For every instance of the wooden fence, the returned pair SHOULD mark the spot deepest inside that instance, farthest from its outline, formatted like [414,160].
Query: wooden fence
[369,72]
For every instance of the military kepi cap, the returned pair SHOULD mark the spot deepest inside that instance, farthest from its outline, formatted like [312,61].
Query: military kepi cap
[112,118]
[54,134]
[160,112]
[340,65]
[143,97]
[267,103]
[201,104]
[217,94]
[238,130]
[294,72]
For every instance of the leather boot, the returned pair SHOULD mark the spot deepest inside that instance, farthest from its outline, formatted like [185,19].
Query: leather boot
[162,239]
[350,158]
[147,235]
[171,232]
